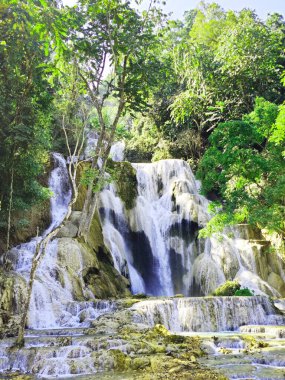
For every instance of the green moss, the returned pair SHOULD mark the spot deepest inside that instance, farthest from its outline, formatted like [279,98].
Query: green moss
[129,302]
[227,289]
[139,296]
[252,343]
[121,361]
[125,178]
[158,331]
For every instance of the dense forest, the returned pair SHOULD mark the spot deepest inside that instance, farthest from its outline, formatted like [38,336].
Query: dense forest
[142,192]
[207,89]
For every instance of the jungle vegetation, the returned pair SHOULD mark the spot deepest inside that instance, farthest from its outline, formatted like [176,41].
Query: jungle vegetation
[208,89]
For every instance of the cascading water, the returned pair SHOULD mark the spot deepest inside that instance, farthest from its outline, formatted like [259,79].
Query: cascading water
[52,301]
[156,242]
[22,255]
[207,314]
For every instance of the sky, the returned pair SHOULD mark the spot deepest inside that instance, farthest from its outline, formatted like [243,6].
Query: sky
[262,7]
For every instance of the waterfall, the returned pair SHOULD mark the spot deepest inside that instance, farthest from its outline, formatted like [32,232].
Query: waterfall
[46,291]
[156,243]
[117,151]
[206,314]
[53,288]
[22,255]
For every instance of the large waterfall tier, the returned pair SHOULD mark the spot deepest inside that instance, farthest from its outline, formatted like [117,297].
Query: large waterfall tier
[125,340]
[71,275]
[156,243]
[207,314]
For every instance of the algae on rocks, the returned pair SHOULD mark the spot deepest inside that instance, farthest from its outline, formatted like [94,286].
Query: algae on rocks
[125,178]
[227,289]
[13,293]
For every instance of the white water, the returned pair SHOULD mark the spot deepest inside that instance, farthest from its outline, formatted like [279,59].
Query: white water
[156,242]
[52,301]
[58,183]
[207,314]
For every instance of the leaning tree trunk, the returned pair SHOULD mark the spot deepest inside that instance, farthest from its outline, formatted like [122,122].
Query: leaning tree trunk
[90,203]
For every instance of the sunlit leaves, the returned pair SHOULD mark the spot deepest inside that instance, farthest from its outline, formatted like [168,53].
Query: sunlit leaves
[245,166]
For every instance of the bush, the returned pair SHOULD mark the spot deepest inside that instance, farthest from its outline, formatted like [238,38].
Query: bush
[229,288]
[245,292]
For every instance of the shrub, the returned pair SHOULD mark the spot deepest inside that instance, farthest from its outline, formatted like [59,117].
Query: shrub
[229,288]
[245,292]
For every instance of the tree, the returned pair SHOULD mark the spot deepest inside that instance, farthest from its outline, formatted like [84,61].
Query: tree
[25,112]
[226,62]
[244,166]
[113,32]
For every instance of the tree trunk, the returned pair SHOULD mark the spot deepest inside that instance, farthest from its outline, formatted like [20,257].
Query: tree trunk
[10,207]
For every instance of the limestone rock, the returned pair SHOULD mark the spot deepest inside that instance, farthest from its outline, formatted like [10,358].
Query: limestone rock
[68,230]
[276,282]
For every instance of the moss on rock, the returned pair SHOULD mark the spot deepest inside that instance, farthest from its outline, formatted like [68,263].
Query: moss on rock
[126,181]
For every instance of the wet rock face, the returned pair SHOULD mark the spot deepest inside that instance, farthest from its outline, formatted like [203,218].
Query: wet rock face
[13,293]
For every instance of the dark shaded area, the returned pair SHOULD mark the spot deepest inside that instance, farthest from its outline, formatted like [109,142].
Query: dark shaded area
[177,271]
[195,290]
[186,230]
[144,261]
[137,242]
[101,255]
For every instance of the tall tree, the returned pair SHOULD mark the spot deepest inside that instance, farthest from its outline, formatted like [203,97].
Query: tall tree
[25,105]
[113,37]
[228,59]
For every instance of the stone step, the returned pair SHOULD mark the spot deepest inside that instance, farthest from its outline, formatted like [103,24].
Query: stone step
[277,331]
[74,331]
[248,367]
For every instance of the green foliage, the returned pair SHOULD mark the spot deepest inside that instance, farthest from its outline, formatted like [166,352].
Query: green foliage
[278,132]
[246,169]
[229,288]
[187,144]
[88,176]
[143,142]
[161,151]
[25,108]
[214,65]
[226,61]
[124,175]
[244,292]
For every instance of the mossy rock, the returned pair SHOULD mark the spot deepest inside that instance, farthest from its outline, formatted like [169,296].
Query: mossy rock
[227,289]
[253,344]
[125,178]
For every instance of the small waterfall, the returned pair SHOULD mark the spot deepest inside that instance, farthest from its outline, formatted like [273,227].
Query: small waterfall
[207,314]
[46,290]
[61,189]
[22,255]
[55,289]
[155,244]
